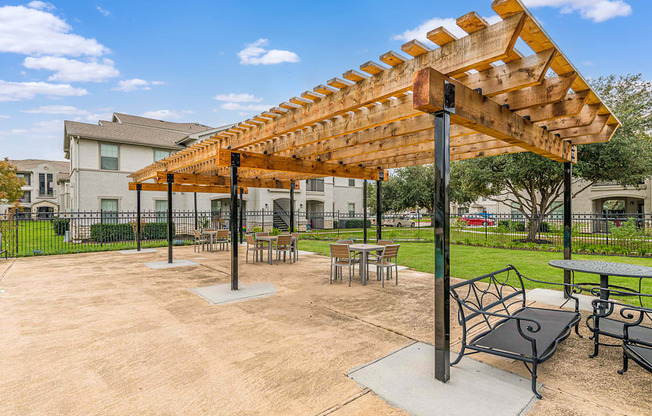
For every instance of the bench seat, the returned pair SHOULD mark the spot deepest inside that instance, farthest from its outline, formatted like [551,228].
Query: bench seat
[554,324]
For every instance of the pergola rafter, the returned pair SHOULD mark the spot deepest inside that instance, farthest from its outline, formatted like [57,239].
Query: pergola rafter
[487,99]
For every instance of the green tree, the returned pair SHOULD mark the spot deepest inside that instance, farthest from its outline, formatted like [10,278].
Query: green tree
[10,184]
[534,183]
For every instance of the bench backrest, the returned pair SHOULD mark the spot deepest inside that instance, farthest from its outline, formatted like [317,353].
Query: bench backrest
[492,293]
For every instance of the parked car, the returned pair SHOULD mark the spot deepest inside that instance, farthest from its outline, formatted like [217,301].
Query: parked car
[477,219]
[398,221]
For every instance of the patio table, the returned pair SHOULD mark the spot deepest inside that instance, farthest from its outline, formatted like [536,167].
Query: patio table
[269,239]
[364,250]
[604,269]
[212,235]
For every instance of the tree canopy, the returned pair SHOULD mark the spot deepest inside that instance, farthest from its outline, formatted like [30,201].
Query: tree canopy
[533,183]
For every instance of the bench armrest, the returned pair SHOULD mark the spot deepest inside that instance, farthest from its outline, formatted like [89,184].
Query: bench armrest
[569,288]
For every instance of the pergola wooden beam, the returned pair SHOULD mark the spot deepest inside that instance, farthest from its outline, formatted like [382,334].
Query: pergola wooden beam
[485,116]
[225,181]
[250,160]
[484,46]
[163,187]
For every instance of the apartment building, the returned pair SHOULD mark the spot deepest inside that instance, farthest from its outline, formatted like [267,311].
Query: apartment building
[46,186]
[102,156]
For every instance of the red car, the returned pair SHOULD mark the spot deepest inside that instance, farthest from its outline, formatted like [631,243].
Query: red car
[474,219]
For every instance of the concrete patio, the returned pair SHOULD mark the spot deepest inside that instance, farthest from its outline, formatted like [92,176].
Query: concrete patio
[102,333]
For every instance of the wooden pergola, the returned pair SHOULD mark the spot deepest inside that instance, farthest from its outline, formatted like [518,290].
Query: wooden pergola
[463,98]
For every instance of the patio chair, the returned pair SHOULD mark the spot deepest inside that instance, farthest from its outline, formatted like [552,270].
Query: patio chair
[199,239]
[628,326]
[355,257]
[340,257]
[261,235]
[222,238]
[347,242]
[254,246]
[295,246]
[602,323]
[383,261]
[492,311]
[385,242]
[283,245]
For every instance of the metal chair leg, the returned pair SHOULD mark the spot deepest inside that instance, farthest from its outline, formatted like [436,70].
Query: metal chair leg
[625,363]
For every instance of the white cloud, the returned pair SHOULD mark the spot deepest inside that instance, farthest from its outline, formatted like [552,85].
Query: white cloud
[166,114]
[256,54]
[57,109]
[104,12]
[4,117]
[135,84]
[596,10]
[40,5]
[33,31]
[449,23]
[237,98]
[243,107]
[72,70]
[16,91]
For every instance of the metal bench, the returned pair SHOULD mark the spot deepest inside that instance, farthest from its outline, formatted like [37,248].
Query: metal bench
[495,320]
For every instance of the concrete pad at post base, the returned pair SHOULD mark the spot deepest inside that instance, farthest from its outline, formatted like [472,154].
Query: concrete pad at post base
[222,294]
[166,265]
[142,250]
[405,379]
[556,298]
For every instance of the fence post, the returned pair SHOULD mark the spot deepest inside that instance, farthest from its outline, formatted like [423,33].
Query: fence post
[101,232]
[606,220]
[338,222]
[486,223]
[16,217]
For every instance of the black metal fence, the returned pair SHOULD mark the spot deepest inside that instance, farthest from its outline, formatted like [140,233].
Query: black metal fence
[74,232]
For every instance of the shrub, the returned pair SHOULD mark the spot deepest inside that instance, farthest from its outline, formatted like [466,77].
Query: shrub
[518,226]
[355,223]
[505,224]
[106,233]
[60,225]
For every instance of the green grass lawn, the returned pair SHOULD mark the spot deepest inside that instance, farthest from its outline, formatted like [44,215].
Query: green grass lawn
[468,262]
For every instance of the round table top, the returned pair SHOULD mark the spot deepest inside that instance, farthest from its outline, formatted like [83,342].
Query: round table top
[603,268]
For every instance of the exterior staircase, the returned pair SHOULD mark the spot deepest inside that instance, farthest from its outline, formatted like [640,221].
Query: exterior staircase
[281,217]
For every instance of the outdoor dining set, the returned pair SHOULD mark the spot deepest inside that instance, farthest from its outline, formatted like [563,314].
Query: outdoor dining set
[382,256]
[497,319]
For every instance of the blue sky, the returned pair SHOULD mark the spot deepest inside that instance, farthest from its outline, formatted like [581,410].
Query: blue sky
[217,62]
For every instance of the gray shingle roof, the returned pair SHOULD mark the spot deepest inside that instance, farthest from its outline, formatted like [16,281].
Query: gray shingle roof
[125,133]
[168,125]
[26,165]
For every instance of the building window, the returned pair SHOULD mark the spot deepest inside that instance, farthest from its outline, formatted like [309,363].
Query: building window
[161,208]
[160,154]
[351,210]
[108,156]
[351,182]
[316,185]
[26,198]
[45,185]
[26,177]
[109,209]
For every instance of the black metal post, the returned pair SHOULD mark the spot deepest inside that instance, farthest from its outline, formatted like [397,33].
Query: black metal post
[235,163]
[568,226]
[138,230]
[196,215]
[292,206]
[170,225]
[442,236]
[379,213]
[364,210]
[241,227]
